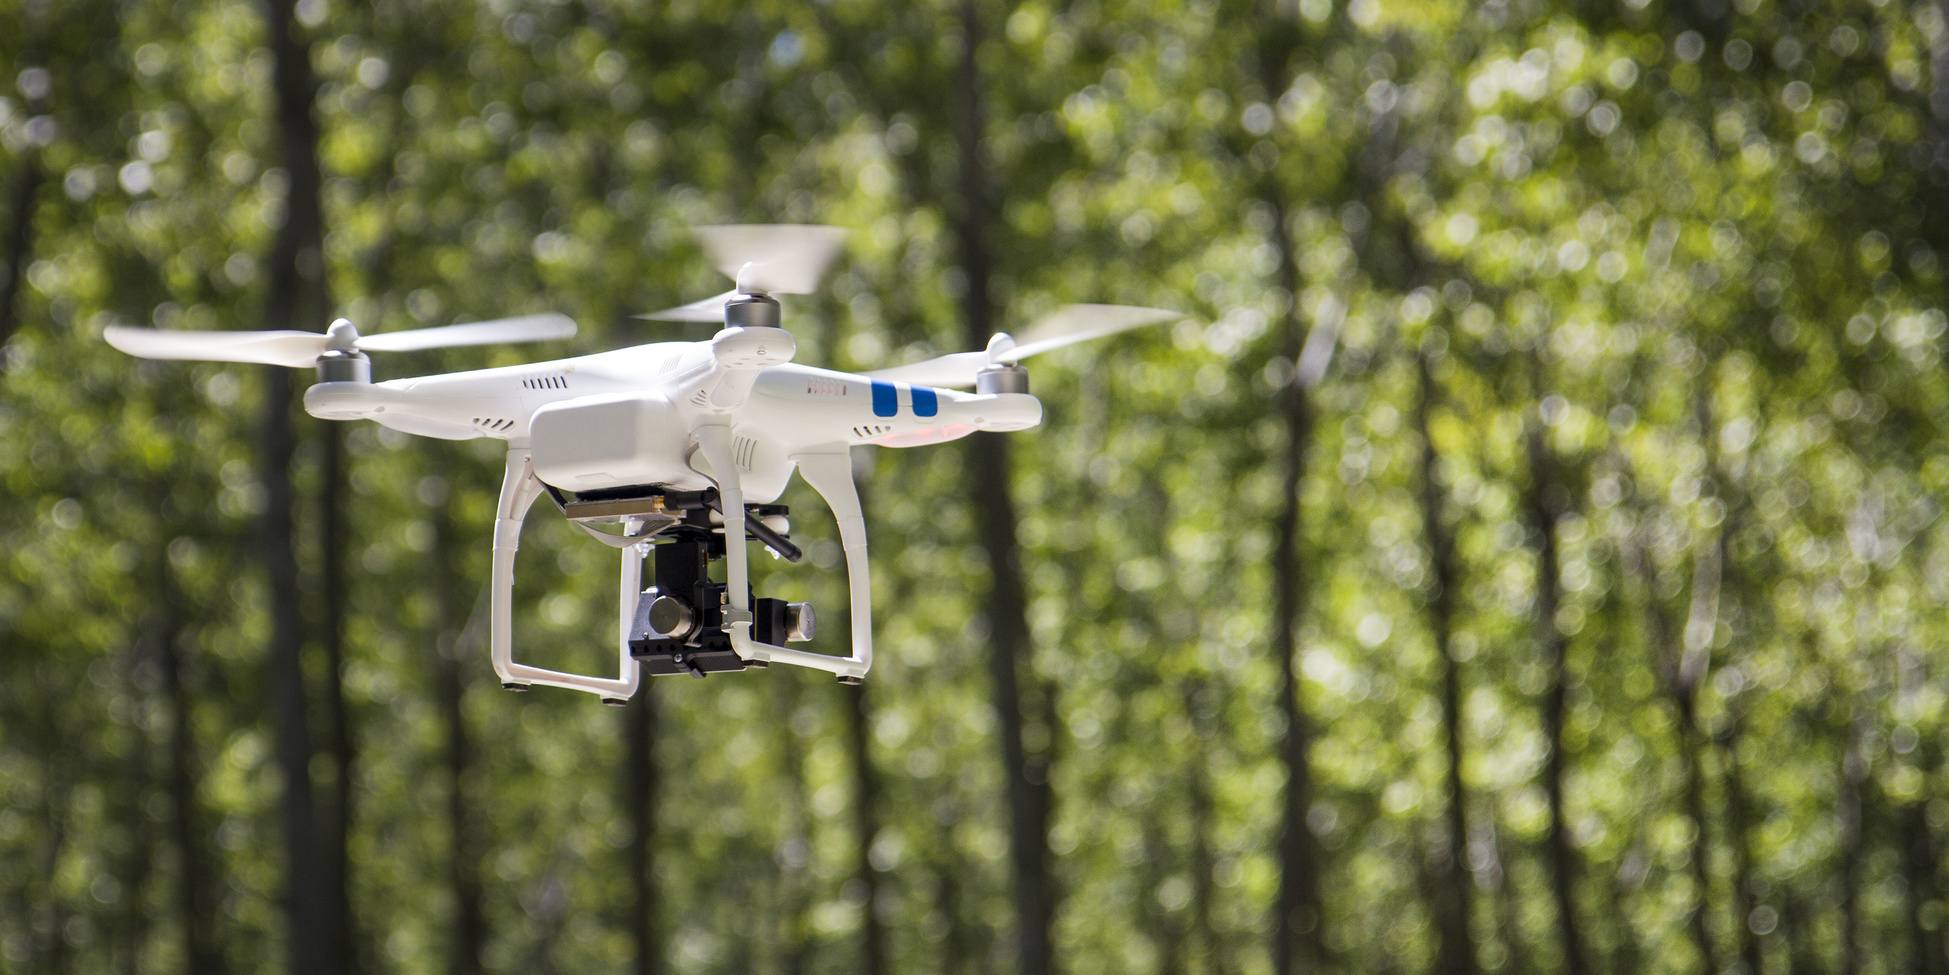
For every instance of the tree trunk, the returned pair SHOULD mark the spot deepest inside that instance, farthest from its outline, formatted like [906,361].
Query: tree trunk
[1451,880]
[1850,812]
[1628,954]
[1561,857]
[131,923]
[19,240]
[195,881]
[303,904]
[1204,894]
[454,650]
[1509,908]
[295,300]
[336,855]
[796,949]
[866,797]
[1673,679]
[959,950]
[1025,768]
[1160,925]
[1296,942]
[1919,868]
[1296,923]
[1803,958]
[55,794]
[1738,815]
[639,724]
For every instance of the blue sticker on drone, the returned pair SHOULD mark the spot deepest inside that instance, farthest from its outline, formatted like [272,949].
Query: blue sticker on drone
[925,402]
[886,401]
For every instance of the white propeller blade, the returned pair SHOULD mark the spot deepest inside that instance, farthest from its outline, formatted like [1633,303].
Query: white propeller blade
[1065,326]
[526,328]
[708,310]
[301,349]
[775,259]
[956,369]
[1080,323]
[296,349]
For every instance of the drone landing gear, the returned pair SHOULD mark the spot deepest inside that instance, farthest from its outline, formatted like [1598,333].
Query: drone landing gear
[687,616]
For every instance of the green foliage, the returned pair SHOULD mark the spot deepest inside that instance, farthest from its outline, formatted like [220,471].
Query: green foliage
[1694,246]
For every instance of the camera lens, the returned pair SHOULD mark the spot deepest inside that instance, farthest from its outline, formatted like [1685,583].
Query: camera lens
[670,617]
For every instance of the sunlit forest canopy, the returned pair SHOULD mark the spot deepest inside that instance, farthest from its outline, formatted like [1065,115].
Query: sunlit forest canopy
[1525,555]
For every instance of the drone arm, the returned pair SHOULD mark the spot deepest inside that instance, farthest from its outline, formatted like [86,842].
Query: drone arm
[518,490]
[715,443]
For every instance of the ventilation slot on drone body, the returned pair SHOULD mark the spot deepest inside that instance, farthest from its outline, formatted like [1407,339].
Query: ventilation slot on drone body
[701,398]
[744,449]
[493,424]
[871,430]
[825,387]
[546,382]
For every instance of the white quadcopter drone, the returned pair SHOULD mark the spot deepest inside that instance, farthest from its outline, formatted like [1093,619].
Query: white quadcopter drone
[683,445]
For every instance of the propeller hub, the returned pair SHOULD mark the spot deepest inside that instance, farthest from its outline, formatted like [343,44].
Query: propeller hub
[1002,378]
[344,367]
[751,311]
[999,345]
[342,336]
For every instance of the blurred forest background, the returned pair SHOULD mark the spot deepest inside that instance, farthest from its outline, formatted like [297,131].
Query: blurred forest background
[1525,557]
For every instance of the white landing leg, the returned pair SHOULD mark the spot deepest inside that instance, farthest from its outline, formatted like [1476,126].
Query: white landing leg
[715,444]
[518,491]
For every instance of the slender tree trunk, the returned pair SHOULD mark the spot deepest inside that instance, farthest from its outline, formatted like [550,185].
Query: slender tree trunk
[1738,814]
[1802,957]
[303,904]
[336,855]
[1929,947]
[1628,956]
[1204,893]
[1296,922]
[1561,857]
[295,300]
[1671,667]
[958,948]
[1690,744]
[640,721]
[1509,908]
[796,948]
[19,241]
[1451,880]
[1850,812]
[866,798]
[1026,769]
[133,921]
[454,651]
[1919,868]
[195,881]
[55,792]
[1160,925]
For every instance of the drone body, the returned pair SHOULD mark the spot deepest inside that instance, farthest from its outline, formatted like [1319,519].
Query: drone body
[684,445]
[623,418]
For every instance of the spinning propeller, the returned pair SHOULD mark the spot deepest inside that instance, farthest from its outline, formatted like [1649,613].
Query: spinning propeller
[1064,326]
[790,258]
[764,259]
[300,349]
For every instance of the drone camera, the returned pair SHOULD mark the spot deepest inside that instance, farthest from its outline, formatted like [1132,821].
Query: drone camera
[680,622]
